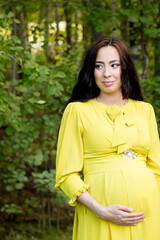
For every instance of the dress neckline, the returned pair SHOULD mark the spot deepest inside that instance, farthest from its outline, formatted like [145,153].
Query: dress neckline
[104,106]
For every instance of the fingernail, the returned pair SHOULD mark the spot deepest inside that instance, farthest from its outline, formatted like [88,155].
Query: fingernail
[131,209]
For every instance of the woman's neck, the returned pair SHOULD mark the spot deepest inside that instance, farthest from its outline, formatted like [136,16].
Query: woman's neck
[110,99]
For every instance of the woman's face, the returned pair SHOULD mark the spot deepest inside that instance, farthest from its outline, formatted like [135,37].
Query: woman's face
[107,71]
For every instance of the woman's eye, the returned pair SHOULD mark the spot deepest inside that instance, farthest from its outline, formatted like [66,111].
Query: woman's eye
[98,66]
[114,65]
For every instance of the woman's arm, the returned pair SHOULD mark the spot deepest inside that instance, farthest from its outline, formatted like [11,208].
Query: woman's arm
[69,159]
[115,213]
[153,161]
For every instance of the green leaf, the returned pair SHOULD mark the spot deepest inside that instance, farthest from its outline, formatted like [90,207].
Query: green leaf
[33,76]
[36,94]
[21,89]
[41,58]
[15,39]
[28,83]
[50,91]
[13,209]
[10,14]
[41,79]
[10,131]
[145,19]
[19,185]
[42,73]
[38,158]
[61,75]
[41,102]
[2,16]
[17,21]
[56,89]
[27,71]
[9,188]
[17,48]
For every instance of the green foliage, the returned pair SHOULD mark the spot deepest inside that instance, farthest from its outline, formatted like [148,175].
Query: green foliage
[152,93]
[30,231]
[12,209]
[31,107]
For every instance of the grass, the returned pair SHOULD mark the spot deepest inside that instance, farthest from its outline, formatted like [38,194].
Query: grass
[30,231]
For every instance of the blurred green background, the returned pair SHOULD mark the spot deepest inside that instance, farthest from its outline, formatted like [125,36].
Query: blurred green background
[42,44]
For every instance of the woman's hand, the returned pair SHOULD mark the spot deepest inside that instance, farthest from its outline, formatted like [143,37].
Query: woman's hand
[121,215]
[115,213]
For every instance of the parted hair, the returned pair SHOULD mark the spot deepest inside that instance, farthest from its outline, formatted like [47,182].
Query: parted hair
[86,87]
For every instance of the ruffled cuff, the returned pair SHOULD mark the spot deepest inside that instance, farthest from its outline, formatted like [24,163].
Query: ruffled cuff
[73,200]
[58,183]
[72,185]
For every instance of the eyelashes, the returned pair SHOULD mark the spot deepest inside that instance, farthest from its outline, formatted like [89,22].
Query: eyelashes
[98,66]
[113,65]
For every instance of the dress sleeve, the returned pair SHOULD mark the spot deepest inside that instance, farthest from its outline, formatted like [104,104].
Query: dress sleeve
[69,160]
[153,161]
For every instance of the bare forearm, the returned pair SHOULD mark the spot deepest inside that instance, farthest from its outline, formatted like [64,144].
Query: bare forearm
[88,201]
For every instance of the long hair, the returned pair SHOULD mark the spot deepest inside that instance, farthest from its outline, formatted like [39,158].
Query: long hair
[86,87]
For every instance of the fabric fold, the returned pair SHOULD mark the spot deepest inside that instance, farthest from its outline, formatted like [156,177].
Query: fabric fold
[121,120]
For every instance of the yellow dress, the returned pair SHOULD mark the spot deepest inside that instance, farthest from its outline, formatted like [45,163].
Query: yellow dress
[94,139]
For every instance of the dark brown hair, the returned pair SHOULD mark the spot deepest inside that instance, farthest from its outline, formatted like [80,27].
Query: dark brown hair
[86,87]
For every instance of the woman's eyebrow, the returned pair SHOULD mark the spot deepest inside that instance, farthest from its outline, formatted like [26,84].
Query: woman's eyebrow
[114,61]
[109,62]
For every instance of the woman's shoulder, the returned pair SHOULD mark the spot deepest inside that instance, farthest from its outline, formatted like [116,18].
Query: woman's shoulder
[142,105]
[77,106]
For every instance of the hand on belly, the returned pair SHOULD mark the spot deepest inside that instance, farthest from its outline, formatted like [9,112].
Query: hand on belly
[121,215]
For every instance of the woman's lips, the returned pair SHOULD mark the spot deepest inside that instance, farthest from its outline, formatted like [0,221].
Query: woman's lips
[108,83]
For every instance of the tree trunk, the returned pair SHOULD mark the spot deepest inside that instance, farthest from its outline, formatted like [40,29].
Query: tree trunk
[56,6]
[23,30]
[86,30]
[76,27]
[157,49]
[68,14]
[124,24]
[94,34]
[49,210]
[13,66]
[114,25]
[144,48]
[46,29]
[22,33]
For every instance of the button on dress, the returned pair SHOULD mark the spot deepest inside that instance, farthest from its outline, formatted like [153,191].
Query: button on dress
[114,153]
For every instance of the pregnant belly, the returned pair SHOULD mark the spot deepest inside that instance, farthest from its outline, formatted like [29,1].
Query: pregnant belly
[133,187]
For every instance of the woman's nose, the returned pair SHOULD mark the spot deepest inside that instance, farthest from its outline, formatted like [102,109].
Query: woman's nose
[107,72]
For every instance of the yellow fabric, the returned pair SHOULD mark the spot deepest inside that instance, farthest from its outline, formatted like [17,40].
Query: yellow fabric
[92,139]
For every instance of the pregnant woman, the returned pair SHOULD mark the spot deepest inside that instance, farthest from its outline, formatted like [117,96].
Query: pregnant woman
[109,134]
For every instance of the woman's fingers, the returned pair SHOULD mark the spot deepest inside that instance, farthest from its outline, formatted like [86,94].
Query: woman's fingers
[123,215]
[128,212]
[129,221]
[133,215]
[132,218]
[124,208]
